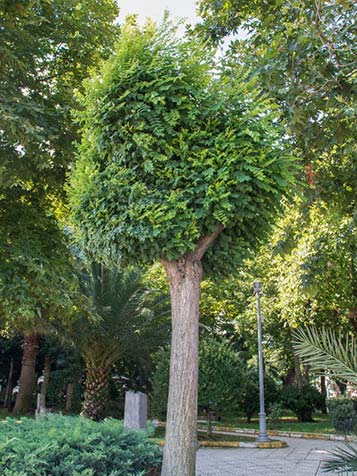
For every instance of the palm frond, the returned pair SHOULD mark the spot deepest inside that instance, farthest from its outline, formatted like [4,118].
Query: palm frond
[342,460]
[324,349]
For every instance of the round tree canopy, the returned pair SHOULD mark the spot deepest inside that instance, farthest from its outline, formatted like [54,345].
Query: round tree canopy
[172,147]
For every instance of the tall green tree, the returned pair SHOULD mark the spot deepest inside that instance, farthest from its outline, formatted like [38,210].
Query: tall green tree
[183,163]
[47,49]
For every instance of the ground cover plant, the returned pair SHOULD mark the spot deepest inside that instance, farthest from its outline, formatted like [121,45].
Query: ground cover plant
[62,446]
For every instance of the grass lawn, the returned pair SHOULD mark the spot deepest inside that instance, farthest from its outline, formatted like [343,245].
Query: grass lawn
[202,435]
[288,422]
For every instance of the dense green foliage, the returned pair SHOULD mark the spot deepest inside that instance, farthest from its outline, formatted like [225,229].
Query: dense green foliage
[170,149]
[302,401]
[220,378]
[248,397]
[343,414]
[37,280]
[225,384]
[62,446]
[304,54]
[47,48]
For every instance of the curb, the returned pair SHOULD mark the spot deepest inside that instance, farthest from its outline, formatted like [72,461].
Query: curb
[289,434]
[236,444]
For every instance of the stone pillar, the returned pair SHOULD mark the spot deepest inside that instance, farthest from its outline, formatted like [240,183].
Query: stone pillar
[135,412]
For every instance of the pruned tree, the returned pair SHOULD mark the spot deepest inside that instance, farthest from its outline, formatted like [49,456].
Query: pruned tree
[181,162]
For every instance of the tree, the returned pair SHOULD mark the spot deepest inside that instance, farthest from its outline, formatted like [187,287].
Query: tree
[37,282]
[119,300]
[183,163]
[48,48]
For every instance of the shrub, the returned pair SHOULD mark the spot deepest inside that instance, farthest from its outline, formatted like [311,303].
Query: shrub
[302,401]
[221,378]
[343,414]
[74,446]
[249,397]
[275,413]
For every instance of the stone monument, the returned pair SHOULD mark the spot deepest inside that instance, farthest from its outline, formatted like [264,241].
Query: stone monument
[135,411]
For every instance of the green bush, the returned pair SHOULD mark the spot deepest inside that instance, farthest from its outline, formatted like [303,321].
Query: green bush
[248,398]
[275,413]
[221,378]
[302,401]
[73,446]
[343,414]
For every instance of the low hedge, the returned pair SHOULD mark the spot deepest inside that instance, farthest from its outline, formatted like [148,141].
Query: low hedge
[58,445]
[343,414]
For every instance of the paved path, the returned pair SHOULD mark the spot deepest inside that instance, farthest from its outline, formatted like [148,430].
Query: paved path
[300,458]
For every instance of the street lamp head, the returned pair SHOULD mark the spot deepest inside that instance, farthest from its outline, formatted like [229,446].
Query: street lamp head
[258,288]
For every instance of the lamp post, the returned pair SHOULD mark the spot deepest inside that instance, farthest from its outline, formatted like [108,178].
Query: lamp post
[262,416]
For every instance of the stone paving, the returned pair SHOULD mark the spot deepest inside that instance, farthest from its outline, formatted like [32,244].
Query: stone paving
[300,458]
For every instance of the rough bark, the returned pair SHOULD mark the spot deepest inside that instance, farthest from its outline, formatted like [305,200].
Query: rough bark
[298,376]
[24,399]
[306,374]
[184,276]
[69,397]
[96,391]
[9,386]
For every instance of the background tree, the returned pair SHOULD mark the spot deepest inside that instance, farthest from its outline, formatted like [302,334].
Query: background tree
[37,282]
[48,48]
[175,160]
[119,300]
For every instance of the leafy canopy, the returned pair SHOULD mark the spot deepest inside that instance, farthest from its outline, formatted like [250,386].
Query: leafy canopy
[303,53]
[172,145]
[47,49]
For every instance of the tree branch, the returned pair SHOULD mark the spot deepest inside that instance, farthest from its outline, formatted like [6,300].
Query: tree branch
[205,242]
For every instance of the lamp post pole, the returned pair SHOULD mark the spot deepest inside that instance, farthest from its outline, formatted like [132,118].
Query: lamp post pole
[262,416]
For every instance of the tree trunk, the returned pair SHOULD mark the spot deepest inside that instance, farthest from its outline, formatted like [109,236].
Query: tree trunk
[184,278]
[69,397]
[96,391]
[298,377]
[209,424]
[323,389]
[306,374]
[46,377]
[24,399]
[323,384]
[8,391]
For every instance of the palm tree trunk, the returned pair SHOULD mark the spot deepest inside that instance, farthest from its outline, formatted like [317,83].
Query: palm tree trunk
[24,399]
[96,390]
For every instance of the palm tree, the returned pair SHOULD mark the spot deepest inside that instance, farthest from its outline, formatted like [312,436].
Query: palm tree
[337,355]
[324,349]
[121,302]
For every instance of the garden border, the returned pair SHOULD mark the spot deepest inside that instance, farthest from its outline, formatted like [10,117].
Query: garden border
[289,434]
